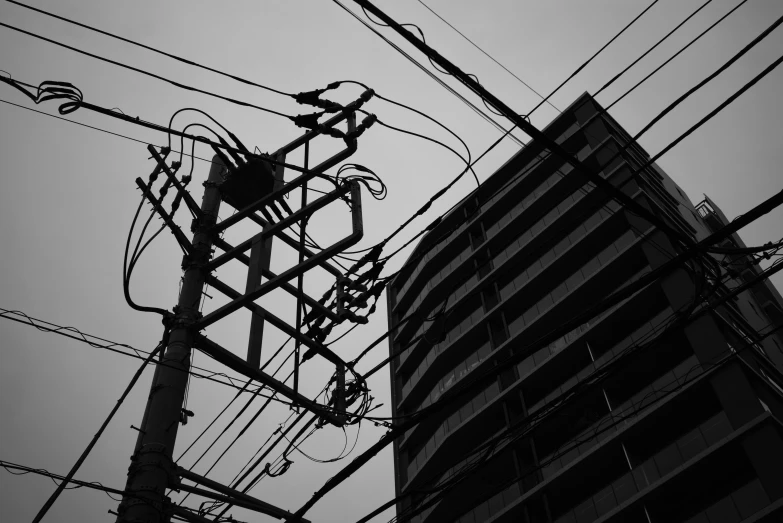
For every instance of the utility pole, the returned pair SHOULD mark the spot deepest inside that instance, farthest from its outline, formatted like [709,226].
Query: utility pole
[250,183]
[152,467]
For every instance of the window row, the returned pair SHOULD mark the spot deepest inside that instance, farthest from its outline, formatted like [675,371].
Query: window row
[435,340]
[503,220]
[518,323]
[493,506]
[449,425]
[619,417]
[737,506]
[453,376]
[436,279]
[428,257]
[641,476]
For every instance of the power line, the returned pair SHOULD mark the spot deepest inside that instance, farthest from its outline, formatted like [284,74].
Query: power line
[568,325]
[151,75]
[487,55]
[102,343]
[652,48]
[607,44]
[93,127]
[154,50]
[49,502]
[430,74]
[675,55]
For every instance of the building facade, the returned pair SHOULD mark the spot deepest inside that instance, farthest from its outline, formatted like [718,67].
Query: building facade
[659,409]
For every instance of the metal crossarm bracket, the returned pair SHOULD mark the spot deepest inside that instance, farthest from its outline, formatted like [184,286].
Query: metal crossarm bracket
[278,194]
[189,201]
[231,495]
[277,322]
[290,289]
[178,234]
[317,259]
[277,227]
[237,364]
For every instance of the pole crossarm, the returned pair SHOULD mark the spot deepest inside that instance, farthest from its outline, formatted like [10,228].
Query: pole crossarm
[189,201]
[178,234]
[277,227]
[231,495]
[348,112]
[279,323]
[317,259]
[237,364]
[351,147]
[292,290]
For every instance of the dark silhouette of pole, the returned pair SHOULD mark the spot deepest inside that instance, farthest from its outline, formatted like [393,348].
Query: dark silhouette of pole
[152,470]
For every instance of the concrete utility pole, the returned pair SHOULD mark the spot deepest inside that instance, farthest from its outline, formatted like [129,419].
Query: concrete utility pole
[152,470]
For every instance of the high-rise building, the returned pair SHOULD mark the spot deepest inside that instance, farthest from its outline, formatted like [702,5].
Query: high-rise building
[665,407]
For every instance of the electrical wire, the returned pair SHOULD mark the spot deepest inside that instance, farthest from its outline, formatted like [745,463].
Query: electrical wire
[153,49]
[102,343]
[675,55]
[51,500]
[429,73]
[488,55]
[149,74]
[541,341]
[402,428]
[579,69]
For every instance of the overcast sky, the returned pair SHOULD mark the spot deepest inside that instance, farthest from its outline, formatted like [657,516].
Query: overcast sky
[68,192]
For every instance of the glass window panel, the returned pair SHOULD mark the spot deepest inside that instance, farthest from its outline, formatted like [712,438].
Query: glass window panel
[521,279]
[624,488]
[701,517]
[545,303]
[492,391]
[691,444]
[496,504]
[537,227]
[541,355]
[478,402]
[574,280]
[750,499]
[547,258]
[562,246]
[668,459]
[590,267]
[526,366]
[723,511]
[592,221]
[607,254]
[716,428]
[604,501]
[430,446]
[568,517]
[482,512]
[511,494]
[454,421]
[551,469]
[585,512]
[507,290]
[625,240]
[484,351]
[530,315]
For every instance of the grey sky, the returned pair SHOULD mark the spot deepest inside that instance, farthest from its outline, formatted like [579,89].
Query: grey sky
[68,193]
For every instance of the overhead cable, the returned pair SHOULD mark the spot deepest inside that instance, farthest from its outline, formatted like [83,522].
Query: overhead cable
[153,49]
[607,44]
[489,56]
[68,477]
[151,75]
[430,74]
